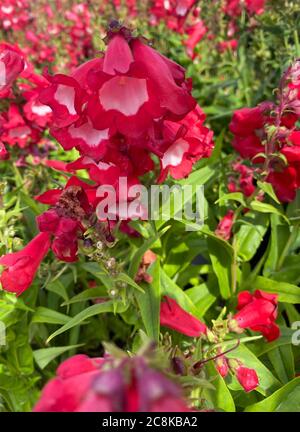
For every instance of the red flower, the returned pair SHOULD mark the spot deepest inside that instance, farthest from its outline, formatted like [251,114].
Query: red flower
[176,318]
[21,266]
[285,183]
[247,378]
[258,312]
[246,120]
[225,226]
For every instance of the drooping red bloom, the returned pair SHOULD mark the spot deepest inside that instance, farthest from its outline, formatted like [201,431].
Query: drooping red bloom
[258,312]
[83,384]
[176,318]
[224,227]
[247,378]
[21,266]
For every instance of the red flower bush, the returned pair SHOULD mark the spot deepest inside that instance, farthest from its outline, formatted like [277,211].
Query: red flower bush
[162,290]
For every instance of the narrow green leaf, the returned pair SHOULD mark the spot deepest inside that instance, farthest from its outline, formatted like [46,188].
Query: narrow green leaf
[109,306]
[149,303]
[44,356]
[49,316]
[286,399]
[287,293]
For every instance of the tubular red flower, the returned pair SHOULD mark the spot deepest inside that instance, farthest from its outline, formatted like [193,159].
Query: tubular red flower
[21,266]
[176,318]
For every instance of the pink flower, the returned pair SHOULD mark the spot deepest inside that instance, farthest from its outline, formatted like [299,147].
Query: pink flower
[21,266]
[176,318]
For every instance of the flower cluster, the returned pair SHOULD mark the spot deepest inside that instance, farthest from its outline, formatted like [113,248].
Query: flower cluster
[14,14]
[24,119]
[268,136]
[256,312]
[118,111]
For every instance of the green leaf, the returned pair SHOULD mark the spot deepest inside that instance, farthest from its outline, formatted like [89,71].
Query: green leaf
[285,338]
[250,235]
[137,257]
[170,289]
[88,294]
[287,293]
[267,208]
[220,397]
[109,306]
[201,297]
[286,399]
[44,356]
[59,288]
[279,237]
[123,277]
[282,360]
[99,273]
[149,303]
[268,189]
[221,262]
[45,315]
[234,196]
